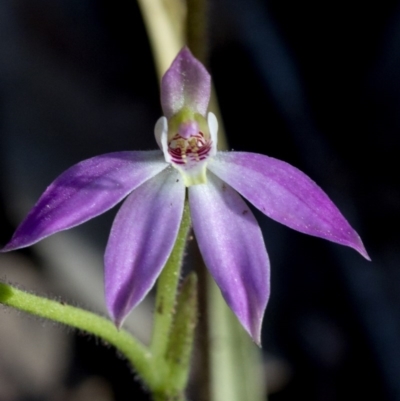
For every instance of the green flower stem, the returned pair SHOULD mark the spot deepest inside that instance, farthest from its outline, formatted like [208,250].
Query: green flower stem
[132,349]
[180,343]
[167,286]
[164,397]
[164,29]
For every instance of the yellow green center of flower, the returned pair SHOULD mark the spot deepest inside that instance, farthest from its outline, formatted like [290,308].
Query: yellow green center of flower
[189,145]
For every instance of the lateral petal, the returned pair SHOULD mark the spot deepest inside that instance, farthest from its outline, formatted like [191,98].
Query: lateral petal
[84,191]
[286,195]
[141,240]
[233,249]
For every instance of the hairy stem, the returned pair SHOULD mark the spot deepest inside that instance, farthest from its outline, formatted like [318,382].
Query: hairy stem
[132,349]
[167,286]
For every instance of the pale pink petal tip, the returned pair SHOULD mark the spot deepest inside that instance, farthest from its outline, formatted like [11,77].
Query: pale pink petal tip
[359,247]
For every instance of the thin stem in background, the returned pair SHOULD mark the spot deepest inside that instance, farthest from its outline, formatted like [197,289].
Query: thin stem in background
[196,29]
[165,38]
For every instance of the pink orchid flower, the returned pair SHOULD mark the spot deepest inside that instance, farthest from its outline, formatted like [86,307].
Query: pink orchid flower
[155,183]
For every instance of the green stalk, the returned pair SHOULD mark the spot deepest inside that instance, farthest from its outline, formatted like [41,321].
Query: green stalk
[180,344]
[167,286]
[163,397]
[138,355]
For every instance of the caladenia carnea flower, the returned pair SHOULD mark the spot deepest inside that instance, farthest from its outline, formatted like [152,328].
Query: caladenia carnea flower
[155,183]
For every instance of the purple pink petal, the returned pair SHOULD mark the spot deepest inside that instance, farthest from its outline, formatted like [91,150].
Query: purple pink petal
[285,194]
[84,191]
[141,240]
[233,249]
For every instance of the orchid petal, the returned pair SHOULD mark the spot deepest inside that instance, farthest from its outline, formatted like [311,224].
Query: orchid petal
[185,84]
[233,249]
[286,195]
[84,191]
[141,240]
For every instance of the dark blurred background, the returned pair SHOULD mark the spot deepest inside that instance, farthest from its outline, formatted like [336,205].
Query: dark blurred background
[314,84]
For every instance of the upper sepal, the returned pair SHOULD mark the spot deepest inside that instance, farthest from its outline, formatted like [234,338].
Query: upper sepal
[185,84]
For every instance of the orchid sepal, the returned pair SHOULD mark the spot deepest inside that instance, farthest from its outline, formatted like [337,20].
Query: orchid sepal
[185,84]
[287,195]
[85,191]
[141,242]
[223,221]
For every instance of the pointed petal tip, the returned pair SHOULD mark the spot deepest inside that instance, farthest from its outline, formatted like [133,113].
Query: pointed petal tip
[14,245]
[353,240]
[116,316]
[256,337]
[118,321]
[6,248]
[253,329]
[118,324]
[185,53]
[257,327]
[360,248]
